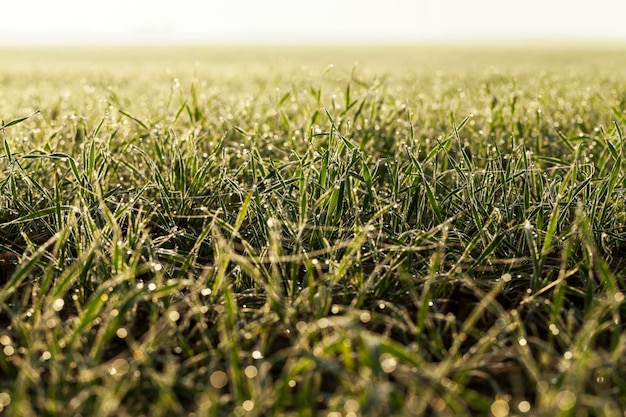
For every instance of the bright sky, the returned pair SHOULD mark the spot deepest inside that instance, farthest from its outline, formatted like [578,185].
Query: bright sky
[292,21]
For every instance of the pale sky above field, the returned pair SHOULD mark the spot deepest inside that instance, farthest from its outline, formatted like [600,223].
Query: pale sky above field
[319,21]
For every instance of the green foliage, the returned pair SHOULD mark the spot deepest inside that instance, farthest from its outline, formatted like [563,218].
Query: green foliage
[442,234]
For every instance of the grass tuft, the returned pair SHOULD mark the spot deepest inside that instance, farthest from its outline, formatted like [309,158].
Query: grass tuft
[443,234]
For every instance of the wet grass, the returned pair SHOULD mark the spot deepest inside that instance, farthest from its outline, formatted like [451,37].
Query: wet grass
[255,232]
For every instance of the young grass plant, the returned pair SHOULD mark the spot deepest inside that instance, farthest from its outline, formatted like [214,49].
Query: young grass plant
[314,241]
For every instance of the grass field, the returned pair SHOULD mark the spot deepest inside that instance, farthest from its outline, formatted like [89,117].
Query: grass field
[254,231]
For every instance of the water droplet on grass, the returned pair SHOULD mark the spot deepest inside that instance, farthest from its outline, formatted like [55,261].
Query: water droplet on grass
[218,379]
[565,400]
[323,323]
[388,363]
[250,371]
[58,304]
[248,405]
[500,408]
[523,406]
[5,400]
[365,317]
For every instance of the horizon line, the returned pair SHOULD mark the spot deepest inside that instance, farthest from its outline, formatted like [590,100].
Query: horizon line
[476,41]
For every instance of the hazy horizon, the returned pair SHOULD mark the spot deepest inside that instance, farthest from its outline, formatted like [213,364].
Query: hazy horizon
[118,22]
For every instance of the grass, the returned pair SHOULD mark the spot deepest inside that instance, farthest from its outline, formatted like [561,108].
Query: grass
[255,232]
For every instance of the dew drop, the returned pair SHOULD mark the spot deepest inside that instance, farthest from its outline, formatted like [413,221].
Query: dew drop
[218,379]
[248,405]
[523,406]
[388,363]
[500,408]
[250,371]
[565,400]
[58,304]
[365,317]
[173,315]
